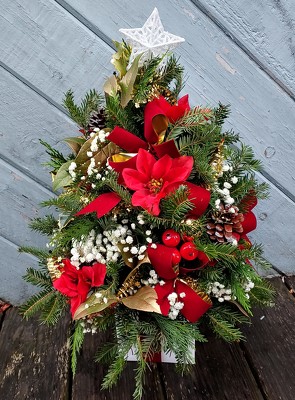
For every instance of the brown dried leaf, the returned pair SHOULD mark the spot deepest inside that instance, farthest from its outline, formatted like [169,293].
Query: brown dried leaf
[100,157]
[145,299]
[94,305]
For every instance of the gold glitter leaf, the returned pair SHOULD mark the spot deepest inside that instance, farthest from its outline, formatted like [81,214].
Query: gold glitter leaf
[145,299]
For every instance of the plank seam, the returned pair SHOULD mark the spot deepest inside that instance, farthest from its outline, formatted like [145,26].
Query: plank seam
[253,370]
[21,171]
[34,88]
[9,242]
[243,48]
[71,10]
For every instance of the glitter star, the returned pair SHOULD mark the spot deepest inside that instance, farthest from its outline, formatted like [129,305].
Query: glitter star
[151,40]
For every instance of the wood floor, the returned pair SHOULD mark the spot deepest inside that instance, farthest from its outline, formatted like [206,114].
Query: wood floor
[34,362]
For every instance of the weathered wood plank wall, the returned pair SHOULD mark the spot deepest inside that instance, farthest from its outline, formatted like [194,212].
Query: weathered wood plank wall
[240,53]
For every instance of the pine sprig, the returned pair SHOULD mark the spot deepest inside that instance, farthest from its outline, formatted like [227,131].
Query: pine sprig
[37,303]
[221,113]
[57,159]
[44,225]
[222,327]
[38,278]
[42,255]
[81,113]
[176,206]
[53,310]
[76,342]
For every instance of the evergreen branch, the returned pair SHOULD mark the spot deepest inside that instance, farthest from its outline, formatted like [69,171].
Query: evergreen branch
[57,159]
[42,255]
[118,116]
[37,303]
[222,327]
[112,182]
[76,342]
[221,113]
[45,225]
[107,353]
[176,205]
[262,294]
[81,114]
[38,278]
[68,202]
[52,311]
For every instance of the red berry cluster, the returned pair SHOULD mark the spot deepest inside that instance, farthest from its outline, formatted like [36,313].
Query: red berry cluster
[187,250]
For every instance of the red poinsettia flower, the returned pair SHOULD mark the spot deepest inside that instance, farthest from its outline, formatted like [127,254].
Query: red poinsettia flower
[154,179]
[76,283]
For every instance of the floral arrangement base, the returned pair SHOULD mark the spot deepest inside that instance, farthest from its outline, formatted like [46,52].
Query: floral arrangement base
[162,356]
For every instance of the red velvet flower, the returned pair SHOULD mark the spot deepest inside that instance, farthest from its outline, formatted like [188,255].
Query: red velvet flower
[194,306]
[154,179]
[76,283]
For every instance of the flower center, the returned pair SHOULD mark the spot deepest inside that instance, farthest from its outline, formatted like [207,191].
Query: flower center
[155,185]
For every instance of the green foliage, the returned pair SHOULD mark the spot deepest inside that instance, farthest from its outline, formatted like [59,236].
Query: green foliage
[81,113]
[37,303]
[223,324]
[221,113]
[38,278]
[57,159]
[42,255]
[118,116]
[69,202]
[76,342]
[112,182]
[262,294]
[176,206]
[45,225]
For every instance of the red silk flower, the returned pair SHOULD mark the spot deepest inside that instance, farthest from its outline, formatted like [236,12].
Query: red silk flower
[132,143]
[76,283]
[154,179]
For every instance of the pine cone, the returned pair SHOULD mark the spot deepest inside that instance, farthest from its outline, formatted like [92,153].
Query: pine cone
[224,222]
[97,120]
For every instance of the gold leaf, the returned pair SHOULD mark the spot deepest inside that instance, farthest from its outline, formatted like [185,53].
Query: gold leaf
[95,304]
[111,86]
[100,157]
[145,299]
[160,125]
[127,82]
[75,143]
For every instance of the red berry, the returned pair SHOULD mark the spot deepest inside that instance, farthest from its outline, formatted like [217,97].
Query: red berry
[171,238]
[188,251]
[176,257]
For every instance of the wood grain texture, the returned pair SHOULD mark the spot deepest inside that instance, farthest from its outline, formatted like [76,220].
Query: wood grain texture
[221,372]
[34,359]
[217,69]
[84,386]
[270,345]
[13,265]
[265,28]
[49,48]
[20,203]
[26,119]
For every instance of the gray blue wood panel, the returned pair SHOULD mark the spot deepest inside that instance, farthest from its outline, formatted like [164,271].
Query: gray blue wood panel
[237,53]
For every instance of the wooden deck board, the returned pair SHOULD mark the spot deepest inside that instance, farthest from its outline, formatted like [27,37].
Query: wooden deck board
[35,359]
[270,345]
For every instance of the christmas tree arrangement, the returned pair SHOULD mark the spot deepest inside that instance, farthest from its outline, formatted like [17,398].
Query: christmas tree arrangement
[155,203]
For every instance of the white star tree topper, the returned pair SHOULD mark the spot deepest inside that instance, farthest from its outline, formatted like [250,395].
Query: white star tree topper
[151,40]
